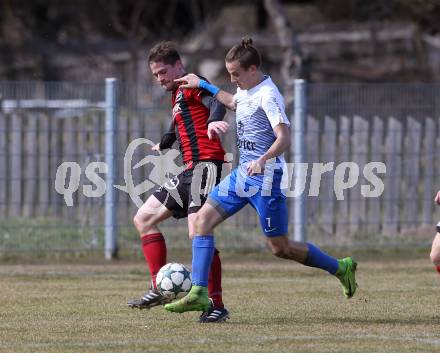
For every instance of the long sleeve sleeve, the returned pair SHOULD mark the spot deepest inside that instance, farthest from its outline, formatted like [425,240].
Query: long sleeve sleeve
[216,109]
[168,138]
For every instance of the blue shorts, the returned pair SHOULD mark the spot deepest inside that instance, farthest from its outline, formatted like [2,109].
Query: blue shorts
[231,196]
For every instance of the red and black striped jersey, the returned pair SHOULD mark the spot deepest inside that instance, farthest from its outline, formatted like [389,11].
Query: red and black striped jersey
[190,122]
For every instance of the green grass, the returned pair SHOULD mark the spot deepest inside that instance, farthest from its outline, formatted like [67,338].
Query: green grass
[43,237]
[275,305]
[47,238]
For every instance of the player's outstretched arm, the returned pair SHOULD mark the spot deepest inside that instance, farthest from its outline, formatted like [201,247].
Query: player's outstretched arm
[193,81]
[227,99]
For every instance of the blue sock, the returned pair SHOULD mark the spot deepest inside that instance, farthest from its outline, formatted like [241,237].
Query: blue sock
[317,258]
[203,252]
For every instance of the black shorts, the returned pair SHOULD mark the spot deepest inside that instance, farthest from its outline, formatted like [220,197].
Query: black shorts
[187,192]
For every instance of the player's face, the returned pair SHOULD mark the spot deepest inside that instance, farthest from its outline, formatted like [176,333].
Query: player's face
[243,78]
[165,74]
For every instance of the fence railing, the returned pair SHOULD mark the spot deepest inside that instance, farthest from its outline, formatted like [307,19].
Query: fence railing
[347,128]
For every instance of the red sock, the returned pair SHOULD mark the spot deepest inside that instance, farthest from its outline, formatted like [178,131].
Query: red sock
[215,281]
[437,268]
[155,252]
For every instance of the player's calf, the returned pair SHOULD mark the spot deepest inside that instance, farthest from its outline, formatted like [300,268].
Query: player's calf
[283,248]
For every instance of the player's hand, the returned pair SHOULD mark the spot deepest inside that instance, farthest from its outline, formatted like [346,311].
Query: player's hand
[189,81]
[156,147]
[437,198]
[216,128]
[256,167]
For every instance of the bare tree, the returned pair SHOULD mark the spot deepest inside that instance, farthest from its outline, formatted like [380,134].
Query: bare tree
[292,64]
[133,30]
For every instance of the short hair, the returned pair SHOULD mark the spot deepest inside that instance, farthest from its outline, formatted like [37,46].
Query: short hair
[245,53]
[164,51]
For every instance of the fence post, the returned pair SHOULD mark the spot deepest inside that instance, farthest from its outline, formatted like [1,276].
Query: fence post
[299,153]
[111,248]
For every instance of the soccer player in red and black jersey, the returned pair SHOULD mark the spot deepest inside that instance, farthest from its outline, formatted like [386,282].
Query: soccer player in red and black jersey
[197,119]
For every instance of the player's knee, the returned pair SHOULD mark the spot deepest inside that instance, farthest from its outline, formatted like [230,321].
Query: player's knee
[143,222]
[201,224]
[191,228]
[278,246]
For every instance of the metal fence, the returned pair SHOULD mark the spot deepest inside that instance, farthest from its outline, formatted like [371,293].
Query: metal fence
[347,127]
[395,124]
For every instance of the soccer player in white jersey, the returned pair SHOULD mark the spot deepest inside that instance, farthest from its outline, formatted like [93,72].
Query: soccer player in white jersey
[263,136]
[435,250]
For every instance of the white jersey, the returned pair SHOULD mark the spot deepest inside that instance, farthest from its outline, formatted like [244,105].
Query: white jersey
[258,111]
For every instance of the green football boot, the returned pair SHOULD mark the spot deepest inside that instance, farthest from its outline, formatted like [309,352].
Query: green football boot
[196,300]
[346,274]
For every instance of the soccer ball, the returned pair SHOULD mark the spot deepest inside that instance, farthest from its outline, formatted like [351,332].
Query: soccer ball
[173,280]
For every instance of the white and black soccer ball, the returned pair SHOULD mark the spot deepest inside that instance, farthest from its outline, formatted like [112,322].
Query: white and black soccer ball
[173,280]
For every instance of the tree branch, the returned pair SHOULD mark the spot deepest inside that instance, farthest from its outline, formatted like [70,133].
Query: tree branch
[291,67]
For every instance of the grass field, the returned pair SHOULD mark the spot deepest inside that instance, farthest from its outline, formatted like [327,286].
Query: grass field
[276,306]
